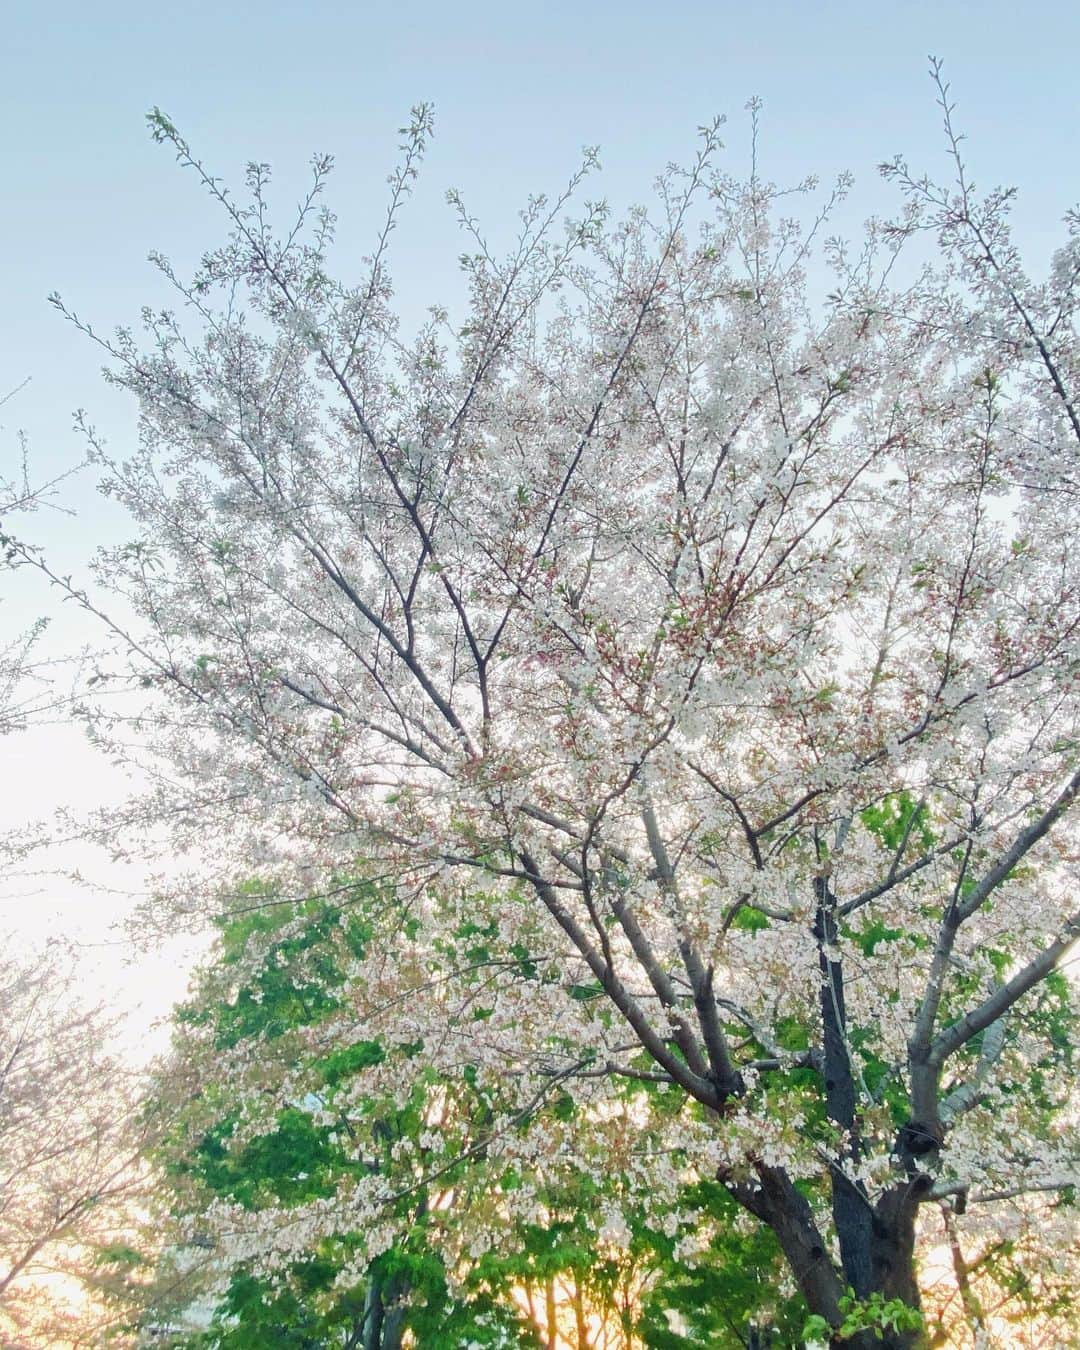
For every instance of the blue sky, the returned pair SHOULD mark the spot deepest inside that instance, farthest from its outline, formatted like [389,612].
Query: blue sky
[518,90]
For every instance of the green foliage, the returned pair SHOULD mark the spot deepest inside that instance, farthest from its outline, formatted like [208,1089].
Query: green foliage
[281,968]
[875,1314]
[292,1163]
[713,1299]
[294,984]
[584,992]
[816,1330]
[872,935]
[749,920]
[254,1314]
[896,815]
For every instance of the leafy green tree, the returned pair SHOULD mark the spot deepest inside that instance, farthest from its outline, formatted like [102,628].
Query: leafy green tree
[277,976]
[267,1008]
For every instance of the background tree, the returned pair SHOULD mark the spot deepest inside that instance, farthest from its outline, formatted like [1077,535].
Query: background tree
[259,1013]
[69,1168]
[69,1172]
[729,636]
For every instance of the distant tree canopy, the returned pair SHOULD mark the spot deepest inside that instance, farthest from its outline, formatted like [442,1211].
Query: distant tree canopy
[276,978]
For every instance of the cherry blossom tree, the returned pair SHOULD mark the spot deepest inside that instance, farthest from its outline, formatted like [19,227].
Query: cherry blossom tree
[70,1171]
[726,636]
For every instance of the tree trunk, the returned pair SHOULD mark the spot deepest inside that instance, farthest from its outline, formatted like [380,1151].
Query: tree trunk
[384,1312]
[778,1203]
[579,1318]
[552,1316]
[889,1255]
[852,1213]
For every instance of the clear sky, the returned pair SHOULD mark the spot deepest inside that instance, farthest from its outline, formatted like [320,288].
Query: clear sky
[518,89]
